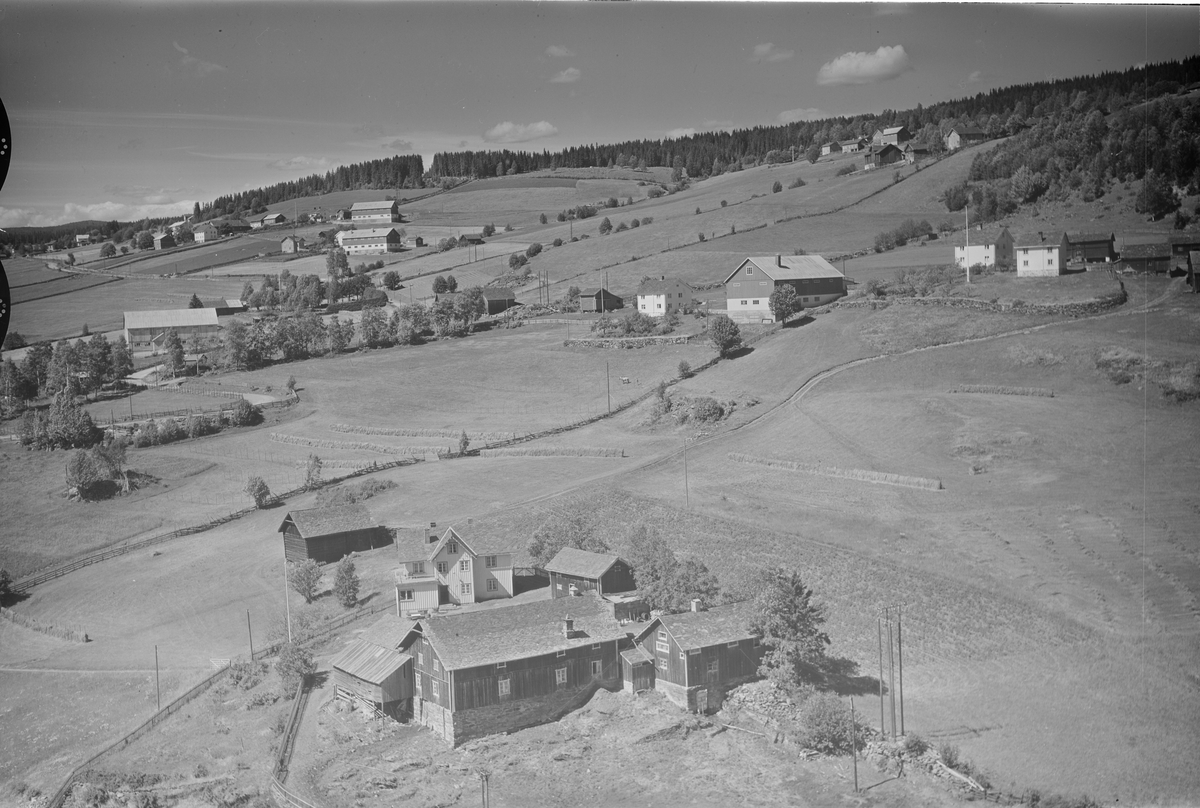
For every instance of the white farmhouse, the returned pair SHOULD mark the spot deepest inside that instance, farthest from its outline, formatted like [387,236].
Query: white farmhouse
[371,240]
[659,298]
[987,247]
[1038,256]
[451,570]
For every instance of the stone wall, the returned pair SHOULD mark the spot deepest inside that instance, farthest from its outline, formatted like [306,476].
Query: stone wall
[686,697]
[1080,309]
[521,713]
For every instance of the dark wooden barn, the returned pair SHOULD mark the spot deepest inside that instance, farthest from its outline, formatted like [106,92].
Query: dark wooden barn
[585,571]
[499,300]
[1193,270]
[328,534]
[498,670]
[374,676]
[1147,257]
[699,655]
[1091,248]
[599,300]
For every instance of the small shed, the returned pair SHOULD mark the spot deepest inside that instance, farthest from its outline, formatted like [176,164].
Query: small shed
[291,244]
[330,533]
[573,572]
[164,241]
[1088,248]
[499,300]
[882,155]
[599,300]
[1147,257]
[370,674]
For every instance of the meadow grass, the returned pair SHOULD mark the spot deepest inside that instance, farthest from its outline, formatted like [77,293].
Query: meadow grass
[863,475]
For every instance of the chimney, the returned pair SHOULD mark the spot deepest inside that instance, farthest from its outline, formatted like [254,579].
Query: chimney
[779,261]
[696,605]
[1041,236]
[431,533]
[568,627]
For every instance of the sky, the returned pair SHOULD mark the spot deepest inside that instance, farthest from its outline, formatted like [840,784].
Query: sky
[123,109]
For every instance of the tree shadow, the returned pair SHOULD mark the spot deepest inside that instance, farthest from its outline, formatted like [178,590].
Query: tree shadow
[11,598]
[745,350]
[367,599]
[798,322]
[318,679]
[841,676]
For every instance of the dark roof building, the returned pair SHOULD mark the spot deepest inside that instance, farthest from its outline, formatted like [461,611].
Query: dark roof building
[964,135]
[498,670]
[1090,248]
[383,211]
[328,534]
[1147,257]
[700,654]
[573,571]
[499,300]
[882,155]
[599,300]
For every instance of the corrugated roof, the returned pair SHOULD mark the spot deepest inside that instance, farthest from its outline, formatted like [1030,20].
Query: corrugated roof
[580,563]
[795,267]
[489,636]
[369,662]
[721,624]
[658,286]
[367,232]
[1159,250]
[387,631]
[636,655]
[385,205]
[170,318]
[332,519]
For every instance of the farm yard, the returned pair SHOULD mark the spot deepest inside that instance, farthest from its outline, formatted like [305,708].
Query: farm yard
[1037,579]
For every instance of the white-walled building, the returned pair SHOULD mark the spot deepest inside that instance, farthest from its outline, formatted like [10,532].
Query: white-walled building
[147,328]
[1039,255]
[370,241]
[451,570]
[985,247]
[659,298]
[748,288]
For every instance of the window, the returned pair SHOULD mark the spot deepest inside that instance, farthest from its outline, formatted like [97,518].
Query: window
[464,588]
[743,302]
[464,565]
[560,587]
[662,663]
[505,686]
[560,676]
[452,547]
[596,668]
[682,655]
[595,646]
[561,653]
[417,684]
[662,635]
[418,568]
[735,283]
[806,300]
[405,594]
[491,585]
[1025,262]
[437,666]
[712,667]
[489,561]
[756,302]
[693,651]
[420,657]
[731,645]
[437,688]
[501,666]
[662,646]
[441,567]
[749,270]
[660,305]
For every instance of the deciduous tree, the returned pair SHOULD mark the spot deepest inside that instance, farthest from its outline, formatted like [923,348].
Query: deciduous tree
[108,250]
[256,488]
[292,665]
[725,335]
[564,530]
[346,583]
[784,302]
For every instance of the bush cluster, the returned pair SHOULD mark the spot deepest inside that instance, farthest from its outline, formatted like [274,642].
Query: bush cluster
[849,168]
[909,230]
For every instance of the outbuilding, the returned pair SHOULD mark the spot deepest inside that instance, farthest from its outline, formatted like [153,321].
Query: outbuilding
[894,135]
[330,533]
[1147,257]
[599,300]
[291,244]
[383,211]
[882,155]
[583,571]
[830,148]
[371,672]
[163,241]
[961,135]
[144,329]
[1089,248]
[748,288]
[371,240]
[498,301]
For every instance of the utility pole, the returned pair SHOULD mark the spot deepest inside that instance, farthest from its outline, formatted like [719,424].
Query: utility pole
[891,677]
[854,743]
[287,604]
[608,386]
[687,500]
[250,631]
[879,631]
[967,234]
[157,689]
[900,658]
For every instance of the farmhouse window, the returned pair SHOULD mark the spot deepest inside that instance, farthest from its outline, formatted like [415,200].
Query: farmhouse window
[561,653]
[405,594]
[1025,262]
[693,651]
[662,664]
[712,667]
[437,666]
[732,645]
[749,270]
[441,567]
[489,561]
[660,305]
[437,688]
[596,667]
[560,587]
[420,657]
[735,283]
[418,568]
[662,646]
[464,588]
[491,585]
[682,655]
[595,646]
[560,676]
[464,565]
[452,547]
[417,684]
[743,302]
[501,666]
[756,302]
[505,686]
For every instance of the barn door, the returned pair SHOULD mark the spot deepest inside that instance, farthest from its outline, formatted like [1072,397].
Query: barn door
[702,700]
[643,677]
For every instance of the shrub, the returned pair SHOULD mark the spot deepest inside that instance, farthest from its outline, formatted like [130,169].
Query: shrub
[170,431]
[305,578]
[826,721]
[635,223]
[685,370]
[655,192]
[949,753]
[256,488]
[797,183]
[777,187]
[647,219]
[558,242]
[915,745]
[346,583]
[849,168]
[622,226]
[697,210]
[533,249]
[244,413]
[702,238]
[724,203]
[293,664]
[706,409]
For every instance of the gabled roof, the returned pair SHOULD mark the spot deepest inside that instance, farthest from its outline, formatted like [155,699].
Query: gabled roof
[1090,238]
[170,318]
[968,130]
[502,293]
[595,291]
[795,267]
[716,626]
[660,286]
[368,232]
[384,205]
[892,130]
[916,147]
[273,216]
[636,655]
[388,631]
[1159,250]
[851,141]
[488,636]
[369,662]
[312,522]
[1030,239]
[988,235]
[1188,238]
[581,563]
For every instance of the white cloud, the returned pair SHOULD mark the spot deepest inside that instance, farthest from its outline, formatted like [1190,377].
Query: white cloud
[865,68]
[802,114]
[370,130]
[399,145]
[974,77]
[509,132]
[300,163]
[767,52]
[103,211]
[559,52]
[683,131]
[568,76]
[24,217]
[199,67]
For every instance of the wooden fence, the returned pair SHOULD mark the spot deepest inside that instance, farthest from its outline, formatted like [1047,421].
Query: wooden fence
[30,581]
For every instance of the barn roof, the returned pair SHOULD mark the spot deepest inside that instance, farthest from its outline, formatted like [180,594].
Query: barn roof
[592,292]
[367,232]
[581,563]
[384,205]
[970,130]
[1159,250]
[721,624]
[795,267]
[1182,239]
[170,318]
[387,631]
[851,141]
[488,636]
[499,294]
[369,662]
[328,520]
